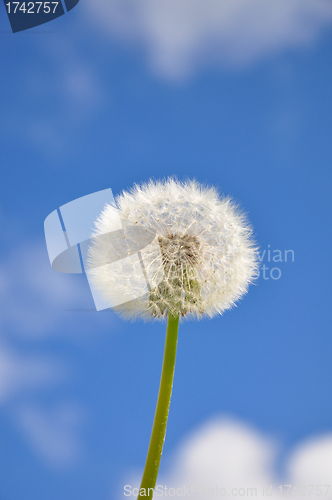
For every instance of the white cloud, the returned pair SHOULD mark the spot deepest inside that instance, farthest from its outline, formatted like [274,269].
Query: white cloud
[53,434]
[181,35]
[225,455]
[311,463]
[228,446]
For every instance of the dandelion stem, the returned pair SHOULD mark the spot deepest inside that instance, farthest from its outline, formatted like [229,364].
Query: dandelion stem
[157,439]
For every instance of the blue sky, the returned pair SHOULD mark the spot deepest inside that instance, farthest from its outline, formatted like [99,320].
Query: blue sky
[236,95]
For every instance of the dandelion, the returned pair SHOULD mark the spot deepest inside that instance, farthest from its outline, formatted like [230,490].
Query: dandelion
[202,249]
[191,254]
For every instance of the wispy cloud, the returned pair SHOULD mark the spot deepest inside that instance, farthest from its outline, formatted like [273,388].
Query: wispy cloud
[34,300]
[56,103]
[53,434]
[34,297]
[20,372]
[180,35]
[23,377]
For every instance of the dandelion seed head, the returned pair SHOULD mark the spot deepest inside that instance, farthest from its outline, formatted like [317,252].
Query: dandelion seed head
[191,252]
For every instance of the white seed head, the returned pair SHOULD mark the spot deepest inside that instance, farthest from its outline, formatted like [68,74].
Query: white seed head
[188,251]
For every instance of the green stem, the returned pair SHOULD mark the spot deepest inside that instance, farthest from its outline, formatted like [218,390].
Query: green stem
[157,439]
